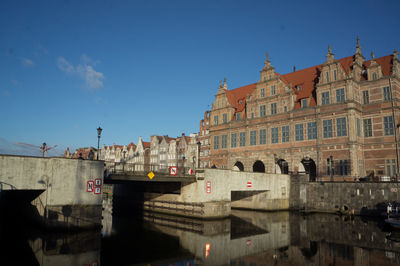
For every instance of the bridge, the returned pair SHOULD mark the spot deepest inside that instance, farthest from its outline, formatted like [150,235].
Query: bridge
[59,188]
[207,193]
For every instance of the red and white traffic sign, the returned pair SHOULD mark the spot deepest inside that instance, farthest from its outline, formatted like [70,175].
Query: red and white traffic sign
[208,187]
[190,172]
[97,190]
[98,182]
[249,184]
[173,170]
[89,186]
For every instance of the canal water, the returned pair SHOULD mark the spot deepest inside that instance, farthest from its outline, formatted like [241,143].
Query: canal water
[246,238]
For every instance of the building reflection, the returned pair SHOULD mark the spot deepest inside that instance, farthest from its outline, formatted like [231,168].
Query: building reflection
[282,238]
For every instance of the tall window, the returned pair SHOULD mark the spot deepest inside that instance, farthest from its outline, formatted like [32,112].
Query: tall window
[390,167]
[388,125]
[216,120]
[325,98]
[262,92]
[216,142]
[238,116]
[224,140]
[386,94]
[242,139]
[341,127]
[327,76]
[334,74]
[273,108]
[303,103]
[358,127]
[253,137]
[273,90]
[233,140]
[299,132]
[274,135]
[367,127]
[285,109]
[224,118]
[343,167]
[263,136]
[285,134]
[262,110]
[327,126]
[374,76]
[340,95]
[365,97]
[312,130]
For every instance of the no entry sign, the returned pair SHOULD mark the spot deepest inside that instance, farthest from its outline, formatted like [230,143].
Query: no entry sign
[208,187]
[173,170]
[249,184]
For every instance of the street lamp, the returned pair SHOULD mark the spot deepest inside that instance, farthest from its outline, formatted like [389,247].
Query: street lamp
[275,156]
[198,154]
[99,129]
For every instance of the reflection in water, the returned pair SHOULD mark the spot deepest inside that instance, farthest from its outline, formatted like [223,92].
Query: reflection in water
[251,238]
[246,238]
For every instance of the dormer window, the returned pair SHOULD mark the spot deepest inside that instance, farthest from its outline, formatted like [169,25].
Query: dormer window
[374,77]
[238,117]
[299,88]
[240,101]
[303,103]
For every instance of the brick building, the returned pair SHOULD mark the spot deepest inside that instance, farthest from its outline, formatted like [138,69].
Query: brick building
[346,108]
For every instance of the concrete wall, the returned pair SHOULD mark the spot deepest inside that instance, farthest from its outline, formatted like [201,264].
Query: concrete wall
[64,182]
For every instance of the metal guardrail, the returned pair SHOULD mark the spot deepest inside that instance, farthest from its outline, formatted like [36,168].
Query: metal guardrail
[6,184]
[144,169]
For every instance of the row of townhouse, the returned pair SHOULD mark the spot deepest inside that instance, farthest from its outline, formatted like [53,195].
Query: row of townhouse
[157,155]
[343,110]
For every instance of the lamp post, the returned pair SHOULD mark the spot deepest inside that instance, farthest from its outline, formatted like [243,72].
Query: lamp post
[99,129]
[198,154]
[274,163]
[331,166]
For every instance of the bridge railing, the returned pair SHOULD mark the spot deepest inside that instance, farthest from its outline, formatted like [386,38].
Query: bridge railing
[140,169]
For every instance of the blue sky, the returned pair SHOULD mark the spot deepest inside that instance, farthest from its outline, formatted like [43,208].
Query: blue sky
[138,68]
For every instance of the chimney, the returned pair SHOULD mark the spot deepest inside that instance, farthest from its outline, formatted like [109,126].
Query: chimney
[294,68]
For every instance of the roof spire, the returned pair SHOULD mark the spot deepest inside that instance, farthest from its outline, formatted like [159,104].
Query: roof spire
[329,56]
[225,86]
[358,50]
[294,68]
[395,54]
[372,56]
[267,62]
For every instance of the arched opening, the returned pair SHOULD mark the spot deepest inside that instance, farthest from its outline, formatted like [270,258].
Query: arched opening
[238,166]
[310,168]
[284,166]
[259,167]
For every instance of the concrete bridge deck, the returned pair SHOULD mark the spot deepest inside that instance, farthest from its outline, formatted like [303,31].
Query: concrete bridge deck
[213,192]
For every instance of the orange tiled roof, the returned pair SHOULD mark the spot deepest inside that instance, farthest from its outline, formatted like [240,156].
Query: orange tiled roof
[132,146]
[306,78]
[237,97]
[386,63]
[146,144]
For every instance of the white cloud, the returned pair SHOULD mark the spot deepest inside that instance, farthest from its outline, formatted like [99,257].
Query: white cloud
[64,65]
[26,62]
[93,79]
